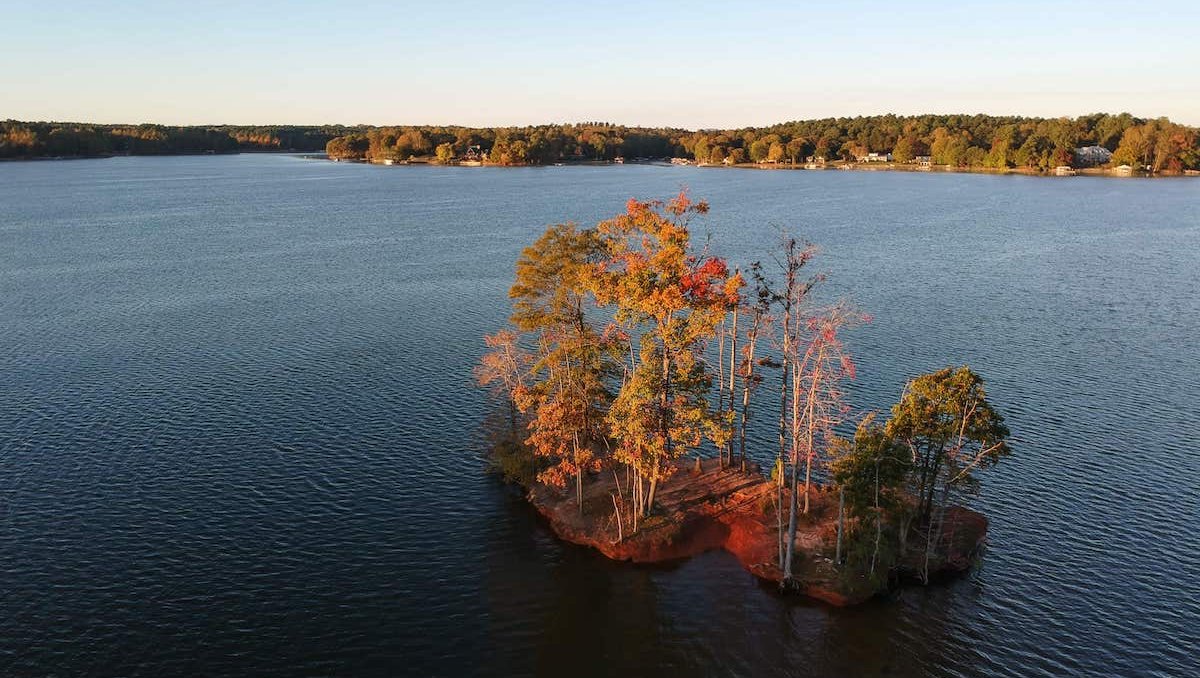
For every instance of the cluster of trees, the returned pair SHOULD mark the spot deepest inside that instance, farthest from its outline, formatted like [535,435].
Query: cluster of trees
[608,366]
[997,142]
[54,139]
[542,144]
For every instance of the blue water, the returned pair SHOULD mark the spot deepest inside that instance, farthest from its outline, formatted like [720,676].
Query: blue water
[238,434]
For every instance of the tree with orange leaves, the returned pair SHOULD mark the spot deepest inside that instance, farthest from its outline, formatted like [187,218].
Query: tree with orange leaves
[566,395]
[675,300]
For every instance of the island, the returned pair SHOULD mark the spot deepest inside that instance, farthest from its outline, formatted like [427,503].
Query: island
[627,382]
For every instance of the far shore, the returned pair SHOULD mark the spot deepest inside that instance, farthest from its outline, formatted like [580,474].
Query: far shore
[834,165]
[764,166]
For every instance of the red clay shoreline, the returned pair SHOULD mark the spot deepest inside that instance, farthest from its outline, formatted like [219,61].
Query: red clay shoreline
[725,508]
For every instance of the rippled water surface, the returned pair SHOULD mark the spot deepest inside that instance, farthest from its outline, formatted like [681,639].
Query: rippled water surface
[238,434]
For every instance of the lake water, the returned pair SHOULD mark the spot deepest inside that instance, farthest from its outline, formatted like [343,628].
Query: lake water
[238,434]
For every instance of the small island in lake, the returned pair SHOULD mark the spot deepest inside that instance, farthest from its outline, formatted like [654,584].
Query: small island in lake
[628,382]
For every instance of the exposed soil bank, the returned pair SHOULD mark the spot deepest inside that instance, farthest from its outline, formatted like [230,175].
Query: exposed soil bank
[734,510]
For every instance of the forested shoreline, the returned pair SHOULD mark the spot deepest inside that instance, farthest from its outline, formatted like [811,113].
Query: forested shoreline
[954,141]
[31,140]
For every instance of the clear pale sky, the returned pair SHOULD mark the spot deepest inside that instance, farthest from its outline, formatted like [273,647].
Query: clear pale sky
[694,64]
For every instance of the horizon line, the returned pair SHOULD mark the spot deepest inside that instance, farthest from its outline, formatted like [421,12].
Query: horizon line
[599,122]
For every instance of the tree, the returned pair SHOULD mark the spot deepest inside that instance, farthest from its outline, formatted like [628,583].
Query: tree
[1035,152]
[759,310]
[798,148]
[350,147]
[1137,144]
[951,431]
[675,299]
[775,152]
[445,152]
[1004,143]
[820,363]
[759,150]
[791,298]
[567,395]
[504,369]
[871,475]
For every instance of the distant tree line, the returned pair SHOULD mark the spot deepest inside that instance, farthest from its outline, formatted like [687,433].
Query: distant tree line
[997,142]
[536,145]
[983,141]
[55,139]
[962,141]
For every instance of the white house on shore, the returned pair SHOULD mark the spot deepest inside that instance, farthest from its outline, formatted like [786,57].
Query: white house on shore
[876,157]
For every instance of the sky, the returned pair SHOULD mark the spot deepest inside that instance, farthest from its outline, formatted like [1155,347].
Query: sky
[692,65]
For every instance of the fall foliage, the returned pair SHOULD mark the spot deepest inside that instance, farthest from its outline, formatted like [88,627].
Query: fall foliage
[959,141]
[607,368]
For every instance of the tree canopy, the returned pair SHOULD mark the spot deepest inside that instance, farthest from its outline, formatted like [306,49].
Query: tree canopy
[607,369]
[956,140]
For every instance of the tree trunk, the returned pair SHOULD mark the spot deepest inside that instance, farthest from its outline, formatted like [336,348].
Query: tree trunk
[812,426]
[791,538]
[653,490]
[779,475]
[878,521]
[934,535]
[512,420]
[664,400]
[617,511]
[837,558]
[638,503]
[749,378]
[807,477]
[721,382]
[794,499]
[578,476]
[927,501]
[733,337]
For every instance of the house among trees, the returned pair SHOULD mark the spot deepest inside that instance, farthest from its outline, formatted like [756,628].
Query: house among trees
[1064,171]
[923,161]
[876,157]
[1092,156]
